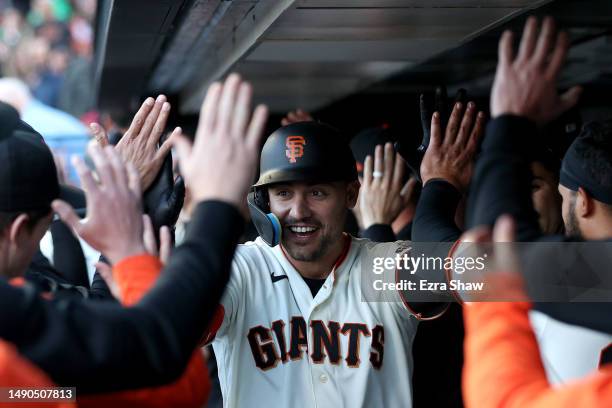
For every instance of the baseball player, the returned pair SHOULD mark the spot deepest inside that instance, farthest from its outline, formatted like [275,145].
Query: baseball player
[292,329]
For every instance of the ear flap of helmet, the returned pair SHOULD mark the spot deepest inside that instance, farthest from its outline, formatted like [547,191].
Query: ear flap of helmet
[267,224]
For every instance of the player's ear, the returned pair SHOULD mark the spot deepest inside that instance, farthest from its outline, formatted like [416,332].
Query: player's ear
[18,228]
[352,192]
[584,203]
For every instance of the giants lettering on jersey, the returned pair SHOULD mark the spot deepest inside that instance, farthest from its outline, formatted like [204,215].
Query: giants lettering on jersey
[271,345]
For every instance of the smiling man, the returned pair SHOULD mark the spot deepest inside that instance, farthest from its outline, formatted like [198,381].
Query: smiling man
[293,328]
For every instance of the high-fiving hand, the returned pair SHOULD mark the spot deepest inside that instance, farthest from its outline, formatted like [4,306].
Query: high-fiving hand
[221,162]
[139,144]
[113,225]
[526,84]
[451,151]
[383,194]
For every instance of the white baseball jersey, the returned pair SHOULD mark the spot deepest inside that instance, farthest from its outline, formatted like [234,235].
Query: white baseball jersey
[277,345]
[568,352]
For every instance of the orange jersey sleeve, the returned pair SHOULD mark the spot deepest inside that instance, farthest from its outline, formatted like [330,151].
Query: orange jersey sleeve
[135,276]
[17,372]
[503,367]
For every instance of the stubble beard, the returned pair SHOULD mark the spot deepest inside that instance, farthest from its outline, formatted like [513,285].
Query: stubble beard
[305,255]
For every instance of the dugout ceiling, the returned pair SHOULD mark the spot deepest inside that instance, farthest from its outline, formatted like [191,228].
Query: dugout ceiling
[313,53]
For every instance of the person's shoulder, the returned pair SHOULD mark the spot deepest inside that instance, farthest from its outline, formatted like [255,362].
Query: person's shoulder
[50,121]
[255,247]
[367,246]
[254,255]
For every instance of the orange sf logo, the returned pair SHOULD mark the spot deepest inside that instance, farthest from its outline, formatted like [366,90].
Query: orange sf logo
[295,147]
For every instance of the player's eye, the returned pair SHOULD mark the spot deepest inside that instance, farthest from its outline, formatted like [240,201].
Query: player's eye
[318,193]
[282,193]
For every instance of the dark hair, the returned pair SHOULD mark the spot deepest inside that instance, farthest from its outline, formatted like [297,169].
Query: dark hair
[542,153]
[595,152]
[34,216]
[550,163]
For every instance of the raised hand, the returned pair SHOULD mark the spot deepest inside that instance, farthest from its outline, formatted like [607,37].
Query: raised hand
[383,194]
[113,225]
[163,196]
[442,105]
[221,162]
[451,151]
[139,144]
[526,84]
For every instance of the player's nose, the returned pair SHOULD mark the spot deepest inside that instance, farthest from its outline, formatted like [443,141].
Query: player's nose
[299,208]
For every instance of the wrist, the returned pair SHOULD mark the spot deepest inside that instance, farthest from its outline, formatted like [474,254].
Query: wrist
[368,221]
[239,204]
[229,197]
[447,178]
[127,250]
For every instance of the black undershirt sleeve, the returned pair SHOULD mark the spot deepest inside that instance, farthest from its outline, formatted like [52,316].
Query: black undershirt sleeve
[99,346]
[434,220]
[502,177]
[379,233]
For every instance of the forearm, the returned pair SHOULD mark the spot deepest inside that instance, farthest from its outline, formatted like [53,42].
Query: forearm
[99,347]
[88,344]
[502,177]
[193,281]
[379,233]
[434,220]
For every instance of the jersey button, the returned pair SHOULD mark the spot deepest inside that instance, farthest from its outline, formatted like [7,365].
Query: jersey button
[323,378]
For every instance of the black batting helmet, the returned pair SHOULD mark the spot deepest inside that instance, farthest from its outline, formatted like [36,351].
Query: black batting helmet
[303,151]
[306,151]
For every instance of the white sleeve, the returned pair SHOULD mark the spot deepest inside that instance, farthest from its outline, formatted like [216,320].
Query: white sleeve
[232,300]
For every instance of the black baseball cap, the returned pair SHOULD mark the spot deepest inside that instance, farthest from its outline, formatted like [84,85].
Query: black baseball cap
[364,144]
[28,176]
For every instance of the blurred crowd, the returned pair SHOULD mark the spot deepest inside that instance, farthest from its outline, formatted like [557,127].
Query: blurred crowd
[48,45]
[45,58]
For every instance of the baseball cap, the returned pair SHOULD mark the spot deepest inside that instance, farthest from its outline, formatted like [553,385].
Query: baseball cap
[28,177]
[364,143]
